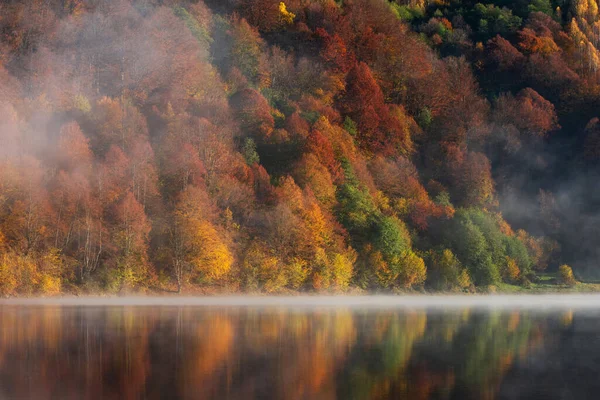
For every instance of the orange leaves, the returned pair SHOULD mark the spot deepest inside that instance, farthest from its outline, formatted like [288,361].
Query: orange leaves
[212,256]
[528,111]
[132,225]
[197,247]
[321,147]
[399,180]
[309,172]
[531,43]
[185,167]
[335,52]
[74,149]
[363,102]
[503,54]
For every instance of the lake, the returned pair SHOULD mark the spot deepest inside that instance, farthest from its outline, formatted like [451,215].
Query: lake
[496,347]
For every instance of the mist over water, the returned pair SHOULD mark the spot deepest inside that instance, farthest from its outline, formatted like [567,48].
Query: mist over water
[307,347]
[543,301]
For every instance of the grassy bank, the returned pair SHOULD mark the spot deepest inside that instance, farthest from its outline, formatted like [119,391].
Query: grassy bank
[548,283]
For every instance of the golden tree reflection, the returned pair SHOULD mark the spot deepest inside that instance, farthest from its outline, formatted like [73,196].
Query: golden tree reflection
[247,353]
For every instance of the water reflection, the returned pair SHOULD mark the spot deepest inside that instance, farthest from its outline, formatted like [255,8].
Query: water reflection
[250,353]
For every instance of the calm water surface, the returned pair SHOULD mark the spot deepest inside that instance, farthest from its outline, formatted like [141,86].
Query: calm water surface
[297,352]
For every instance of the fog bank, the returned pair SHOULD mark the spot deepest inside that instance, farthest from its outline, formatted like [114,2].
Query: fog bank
[562,301]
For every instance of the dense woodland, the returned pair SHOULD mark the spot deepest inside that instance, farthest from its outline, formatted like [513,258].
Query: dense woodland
[259,145]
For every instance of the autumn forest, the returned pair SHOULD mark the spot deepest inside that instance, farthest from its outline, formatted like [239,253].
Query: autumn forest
[304,145]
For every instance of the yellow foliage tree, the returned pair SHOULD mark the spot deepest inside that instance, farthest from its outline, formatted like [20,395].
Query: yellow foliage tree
[263,269]
[565,275]
[209,255]
[8,281]
[196,244]
[511,272]
[342,266]
[385,275]
[413,271]
[286,16]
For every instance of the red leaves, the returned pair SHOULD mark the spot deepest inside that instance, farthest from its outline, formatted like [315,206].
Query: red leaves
[399,180]
[254,114]
[334,51]
[503,54]
[263,14]
[184,166]
[363,102]
[380,129]
[528,111]
[132,225]
[73,150]
[319,145]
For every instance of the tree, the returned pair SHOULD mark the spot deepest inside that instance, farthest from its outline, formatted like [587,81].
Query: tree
[471,247]
[196,246]
[472,178]
[254,114]
[335,52]
[246,47]
[130,235]
[565,275]
[264,14]
[446,272]
[529,112]
[363,102]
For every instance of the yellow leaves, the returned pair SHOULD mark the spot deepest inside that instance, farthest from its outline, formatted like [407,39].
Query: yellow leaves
[532,43]
[81,103]
[317,224]
[297,272]
[291,194]
[565,275]
[310,172]
[286,16]
[504,226]
[511,272]
[50,285]
[333,270]
[464,279]
[385,275]
[212,257]
[342,266]
[35,273]
[8,281]
[413,272]
[202,246]
[587,9]
[262,267]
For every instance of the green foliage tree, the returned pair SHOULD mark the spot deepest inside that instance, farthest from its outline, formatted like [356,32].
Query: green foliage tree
[445,271]
[495,20]
[249,152]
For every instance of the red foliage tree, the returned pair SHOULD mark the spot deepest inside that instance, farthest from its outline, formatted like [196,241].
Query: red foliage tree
[363,102]
[254,114]
[528,111]
[318,144]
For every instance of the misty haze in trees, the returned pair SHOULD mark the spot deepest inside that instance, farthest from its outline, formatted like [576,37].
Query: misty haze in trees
[260,145]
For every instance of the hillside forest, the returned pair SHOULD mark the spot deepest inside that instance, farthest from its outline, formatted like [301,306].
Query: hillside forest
[303,145]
